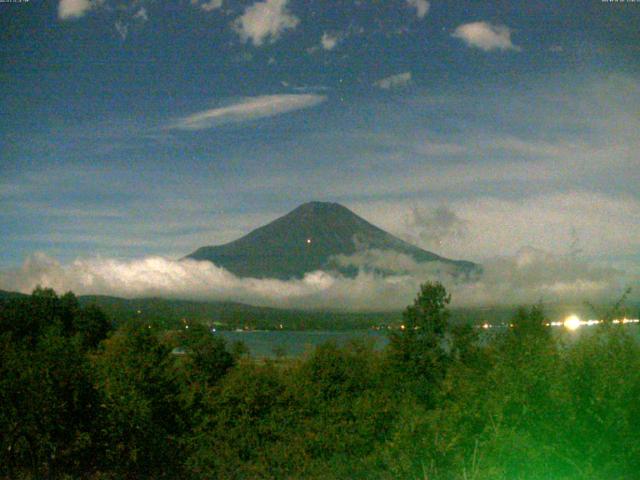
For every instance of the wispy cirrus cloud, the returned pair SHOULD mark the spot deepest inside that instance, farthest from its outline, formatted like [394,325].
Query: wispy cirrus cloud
[485,36]
[248,108]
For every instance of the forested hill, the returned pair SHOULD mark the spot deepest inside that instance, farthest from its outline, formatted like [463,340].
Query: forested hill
[169,313]
[84,398]
[233,315]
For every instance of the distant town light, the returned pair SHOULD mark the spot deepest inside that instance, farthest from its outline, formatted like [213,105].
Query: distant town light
[572,322]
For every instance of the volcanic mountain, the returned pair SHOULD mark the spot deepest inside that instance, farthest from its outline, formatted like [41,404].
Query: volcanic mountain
[310,238]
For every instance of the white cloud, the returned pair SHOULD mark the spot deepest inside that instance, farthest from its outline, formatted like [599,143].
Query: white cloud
[383,260]
[134,10]
[158,276]
[486,36]
[328,41]
[532,275]
[249,108]
[207,6]
[526,277]
[540,149]
[265,20]
[71,9]
[141,14]
[498,226]
[212,5]
[122,29]
[437,148]
[394,81]
[421,6]
[436,226]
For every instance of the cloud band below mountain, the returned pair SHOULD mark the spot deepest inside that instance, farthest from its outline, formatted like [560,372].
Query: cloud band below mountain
[529,276]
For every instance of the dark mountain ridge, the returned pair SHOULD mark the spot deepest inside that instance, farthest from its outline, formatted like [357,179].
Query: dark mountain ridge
[308,239]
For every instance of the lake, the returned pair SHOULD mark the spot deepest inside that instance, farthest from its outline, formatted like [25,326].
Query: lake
[265,343]
[262,343]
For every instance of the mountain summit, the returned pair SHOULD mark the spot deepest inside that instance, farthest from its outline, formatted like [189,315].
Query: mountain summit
[307,239]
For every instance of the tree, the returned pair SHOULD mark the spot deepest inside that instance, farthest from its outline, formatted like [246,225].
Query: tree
[207,355]
[93,325]
[418,347]
[48,403]
[31,317]
[28,317]
[142,417]
[527,325]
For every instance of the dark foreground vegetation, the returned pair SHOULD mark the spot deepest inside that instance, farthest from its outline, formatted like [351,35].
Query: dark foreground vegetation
[79,399]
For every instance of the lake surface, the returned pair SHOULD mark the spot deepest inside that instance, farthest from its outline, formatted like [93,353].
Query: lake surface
[267,343]
[263,343]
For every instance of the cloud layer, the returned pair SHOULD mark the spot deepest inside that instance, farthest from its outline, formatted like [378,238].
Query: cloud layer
[249,108]
[526,277]
[483,227]
[485,36]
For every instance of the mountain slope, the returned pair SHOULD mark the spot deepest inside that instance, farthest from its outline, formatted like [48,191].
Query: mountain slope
[305,240]
[6,295]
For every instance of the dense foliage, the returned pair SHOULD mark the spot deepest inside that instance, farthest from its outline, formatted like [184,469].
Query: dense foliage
[79,399]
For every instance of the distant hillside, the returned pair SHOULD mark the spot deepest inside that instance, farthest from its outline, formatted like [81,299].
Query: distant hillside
[171,313]
[231,315]
[4,295]
[306,239]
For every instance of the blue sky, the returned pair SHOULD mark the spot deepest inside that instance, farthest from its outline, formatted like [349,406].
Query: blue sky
[136,128]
